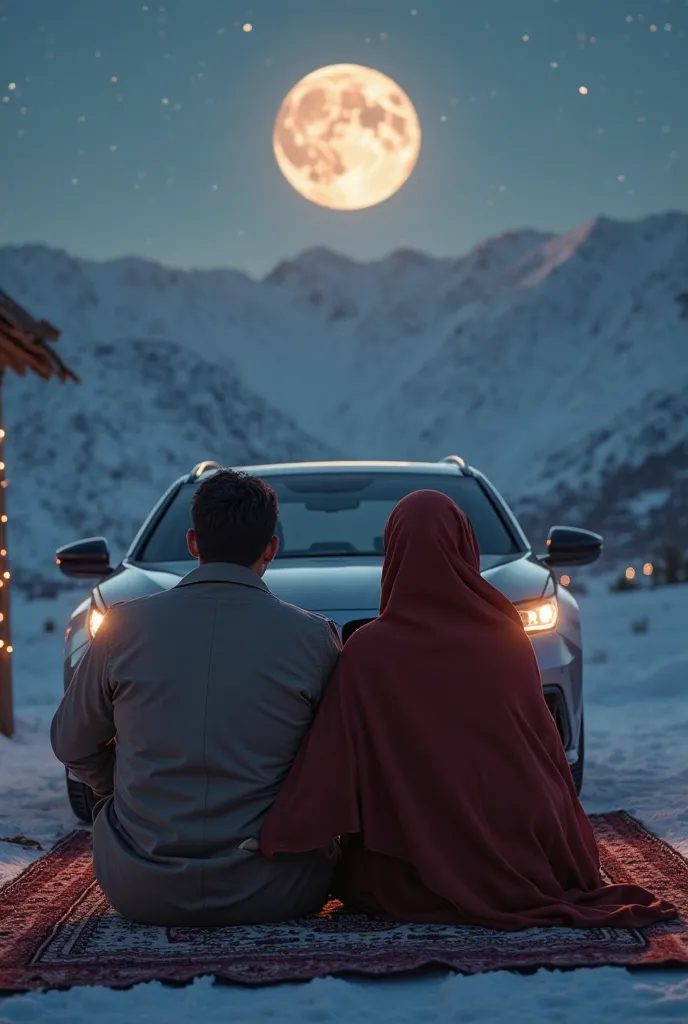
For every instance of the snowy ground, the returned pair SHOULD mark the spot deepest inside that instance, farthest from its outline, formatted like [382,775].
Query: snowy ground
[637,725]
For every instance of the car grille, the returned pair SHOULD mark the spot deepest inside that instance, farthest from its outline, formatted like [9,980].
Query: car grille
[351,627]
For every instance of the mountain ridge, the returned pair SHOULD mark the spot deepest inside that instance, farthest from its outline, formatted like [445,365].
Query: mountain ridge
[518,354]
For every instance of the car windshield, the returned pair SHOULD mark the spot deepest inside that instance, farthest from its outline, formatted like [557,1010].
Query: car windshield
[342,513]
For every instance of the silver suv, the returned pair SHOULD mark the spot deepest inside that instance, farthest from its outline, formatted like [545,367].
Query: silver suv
[331,520]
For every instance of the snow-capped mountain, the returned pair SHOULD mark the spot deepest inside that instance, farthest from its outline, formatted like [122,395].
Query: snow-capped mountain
[93,458]
[558,364]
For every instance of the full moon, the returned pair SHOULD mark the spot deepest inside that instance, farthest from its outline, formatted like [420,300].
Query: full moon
[346,137]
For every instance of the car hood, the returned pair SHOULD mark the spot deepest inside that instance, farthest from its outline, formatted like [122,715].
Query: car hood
[327,584]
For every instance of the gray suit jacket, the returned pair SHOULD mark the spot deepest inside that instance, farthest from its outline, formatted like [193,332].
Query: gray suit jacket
[210,688]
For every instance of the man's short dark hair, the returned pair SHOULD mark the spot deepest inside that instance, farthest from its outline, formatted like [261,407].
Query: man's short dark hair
[234,516]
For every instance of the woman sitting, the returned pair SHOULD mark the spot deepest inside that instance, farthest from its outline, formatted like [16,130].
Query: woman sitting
[435,758]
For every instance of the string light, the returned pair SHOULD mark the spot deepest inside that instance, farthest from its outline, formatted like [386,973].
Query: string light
[648,569]
[630,573]
[5,646]
[565,580]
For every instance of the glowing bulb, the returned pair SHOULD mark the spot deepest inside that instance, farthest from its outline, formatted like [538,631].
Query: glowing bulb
[583,90]
[3,519]
[10,649]
[546,614]
[247,27]
[2,434]
[648,569]
[3,552]
[2,643]
[630,573]
[6,575]
[2,617]
[565,580]
[95,620]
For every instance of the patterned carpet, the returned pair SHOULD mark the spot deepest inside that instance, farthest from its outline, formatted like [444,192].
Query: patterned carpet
[58,930]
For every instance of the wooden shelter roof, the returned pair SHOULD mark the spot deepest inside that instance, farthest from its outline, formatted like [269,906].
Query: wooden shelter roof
[26,344]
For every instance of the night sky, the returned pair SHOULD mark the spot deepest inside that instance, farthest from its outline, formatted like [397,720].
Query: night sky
[146,128]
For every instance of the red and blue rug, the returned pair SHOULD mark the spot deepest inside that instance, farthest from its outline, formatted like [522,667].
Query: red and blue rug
[58,930]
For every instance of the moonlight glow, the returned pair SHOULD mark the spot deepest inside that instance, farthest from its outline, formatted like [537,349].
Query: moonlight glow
[346,137]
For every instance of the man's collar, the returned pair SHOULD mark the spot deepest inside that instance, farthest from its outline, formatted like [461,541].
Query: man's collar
[223,572]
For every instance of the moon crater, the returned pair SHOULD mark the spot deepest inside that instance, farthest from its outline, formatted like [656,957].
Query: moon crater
[346,137]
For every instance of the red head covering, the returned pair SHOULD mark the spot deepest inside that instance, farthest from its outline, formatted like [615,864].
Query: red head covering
[435,749]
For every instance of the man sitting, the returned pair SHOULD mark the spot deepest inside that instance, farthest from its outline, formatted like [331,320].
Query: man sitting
[209,688]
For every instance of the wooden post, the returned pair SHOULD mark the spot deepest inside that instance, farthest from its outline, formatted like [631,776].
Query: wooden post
[6,709]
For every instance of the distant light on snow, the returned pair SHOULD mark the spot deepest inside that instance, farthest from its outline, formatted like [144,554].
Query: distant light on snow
[668,26]
[621,177]
[114,78]
[164,101]
[648,569]
[247,27]
[526,38]
[12,86]
[583,90]
[75,181]
[630,573]
[554,63]
[653,28]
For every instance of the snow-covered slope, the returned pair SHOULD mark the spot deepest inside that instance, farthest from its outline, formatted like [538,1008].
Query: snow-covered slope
[94,458]
[628,479]
[535,357]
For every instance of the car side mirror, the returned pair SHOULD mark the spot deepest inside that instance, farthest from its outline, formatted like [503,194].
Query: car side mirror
[569,546]
[85,559]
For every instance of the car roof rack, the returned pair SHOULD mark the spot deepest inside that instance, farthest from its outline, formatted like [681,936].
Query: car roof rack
[456,459]
[202,468]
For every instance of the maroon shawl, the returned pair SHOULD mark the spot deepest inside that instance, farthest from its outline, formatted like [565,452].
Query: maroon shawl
[434,752]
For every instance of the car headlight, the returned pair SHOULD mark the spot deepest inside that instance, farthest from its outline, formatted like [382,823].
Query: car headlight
[538,616]
[95,619]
